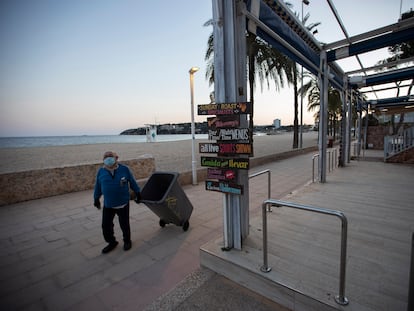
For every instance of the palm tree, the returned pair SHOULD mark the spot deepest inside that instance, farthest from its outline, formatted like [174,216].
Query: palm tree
[296,105]
[209,56]
[402,50]
[334,103]
[312,89]
[264,63]
[334,110]
[309,27]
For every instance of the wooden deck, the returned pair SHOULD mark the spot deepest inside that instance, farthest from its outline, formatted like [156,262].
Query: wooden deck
[304,248]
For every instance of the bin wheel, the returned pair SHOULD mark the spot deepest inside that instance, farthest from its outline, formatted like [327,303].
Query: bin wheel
[186,225]
[162,223]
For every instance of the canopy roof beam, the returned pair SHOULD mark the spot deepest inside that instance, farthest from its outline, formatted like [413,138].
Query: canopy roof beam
[401,25]
[307,63]
[393,101]
[399,86]
[280,8]
[382,78]
[388,65]
[374,43]
[272,21]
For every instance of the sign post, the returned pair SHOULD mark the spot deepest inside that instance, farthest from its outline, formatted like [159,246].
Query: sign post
[230,93]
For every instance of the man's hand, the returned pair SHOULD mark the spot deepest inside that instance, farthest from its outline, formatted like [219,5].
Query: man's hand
[97,204]
[138,197]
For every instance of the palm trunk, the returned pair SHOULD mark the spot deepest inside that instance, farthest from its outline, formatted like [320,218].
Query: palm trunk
[296,104]
[251,86]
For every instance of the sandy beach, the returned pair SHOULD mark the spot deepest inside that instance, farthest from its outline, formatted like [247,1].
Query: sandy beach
[169,156]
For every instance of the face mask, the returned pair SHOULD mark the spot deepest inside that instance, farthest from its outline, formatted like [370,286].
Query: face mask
[109,161]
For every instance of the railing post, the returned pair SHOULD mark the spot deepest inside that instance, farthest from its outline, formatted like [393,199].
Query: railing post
[269,181]
[313,169]
[269,189]
[265,268]
[341,299]
[336,158]
[329,160]
[313,166]
[269,184]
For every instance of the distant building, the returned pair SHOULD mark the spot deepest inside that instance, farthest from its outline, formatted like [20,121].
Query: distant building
[276,123]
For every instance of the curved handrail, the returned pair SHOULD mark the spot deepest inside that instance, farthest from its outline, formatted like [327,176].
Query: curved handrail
[269,182]
[340,298]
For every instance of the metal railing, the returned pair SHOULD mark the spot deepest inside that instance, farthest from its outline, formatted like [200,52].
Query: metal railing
[269,183]
[355,149]
[333,158]
[315,156]
[340,298]
[332,161]
[397,143]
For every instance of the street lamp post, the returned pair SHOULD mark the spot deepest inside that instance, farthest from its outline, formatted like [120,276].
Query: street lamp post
[193,160]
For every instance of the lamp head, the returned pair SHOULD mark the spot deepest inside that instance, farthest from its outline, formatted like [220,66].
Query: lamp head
[193,70]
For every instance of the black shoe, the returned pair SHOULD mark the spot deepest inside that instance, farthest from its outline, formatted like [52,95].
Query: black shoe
[127,245]
[109,247]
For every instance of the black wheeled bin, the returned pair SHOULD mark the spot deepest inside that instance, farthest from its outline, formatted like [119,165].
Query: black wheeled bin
[165,197]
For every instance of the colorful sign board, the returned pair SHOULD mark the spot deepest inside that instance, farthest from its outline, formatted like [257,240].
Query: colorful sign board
[225,109]
[208,148]
[217,122]
[223,186]
[226,148]
[225,163]
[221,174]
[231,140]
[230,134]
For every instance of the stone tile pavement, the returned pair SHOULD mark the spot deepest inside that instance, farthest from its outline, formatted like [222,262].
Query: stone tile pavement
[50,249]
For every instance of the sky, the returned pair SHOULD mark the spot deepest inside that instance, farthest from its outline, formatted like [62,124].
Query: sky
[98,67]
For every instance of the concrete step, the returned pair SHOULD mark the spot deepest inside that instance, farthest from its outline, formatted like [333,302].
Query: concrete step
[243,267]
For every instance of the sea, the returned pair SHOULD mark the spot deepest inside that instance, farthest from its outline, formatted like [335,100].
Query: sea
[44,141]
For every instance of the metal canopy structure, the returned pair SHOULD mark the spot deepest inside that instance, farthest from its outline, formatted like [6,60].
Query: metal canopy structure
[373,40]
[273,21]
[393,105]
[382,78]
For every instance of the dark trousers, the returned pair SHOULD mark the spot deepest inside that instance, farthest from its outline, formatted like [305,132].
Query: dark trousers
[108,215]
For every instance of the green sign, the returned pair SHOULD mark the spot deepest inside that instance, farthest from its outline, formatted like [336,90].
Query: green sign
[242,164]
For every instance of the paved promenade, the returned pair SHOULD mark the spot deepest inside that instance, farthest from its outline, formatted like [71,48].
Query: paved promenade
[50,257]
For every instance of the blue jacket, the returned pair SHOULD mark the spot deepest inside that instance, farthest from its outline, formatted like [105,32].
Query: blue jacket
[115,188]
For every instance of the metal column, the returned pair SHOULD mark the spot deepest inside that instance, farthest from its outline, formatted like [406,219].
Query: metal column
[323,117]
[342,148]
[349,124]
[359,109]
[230,86]
[346,133]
